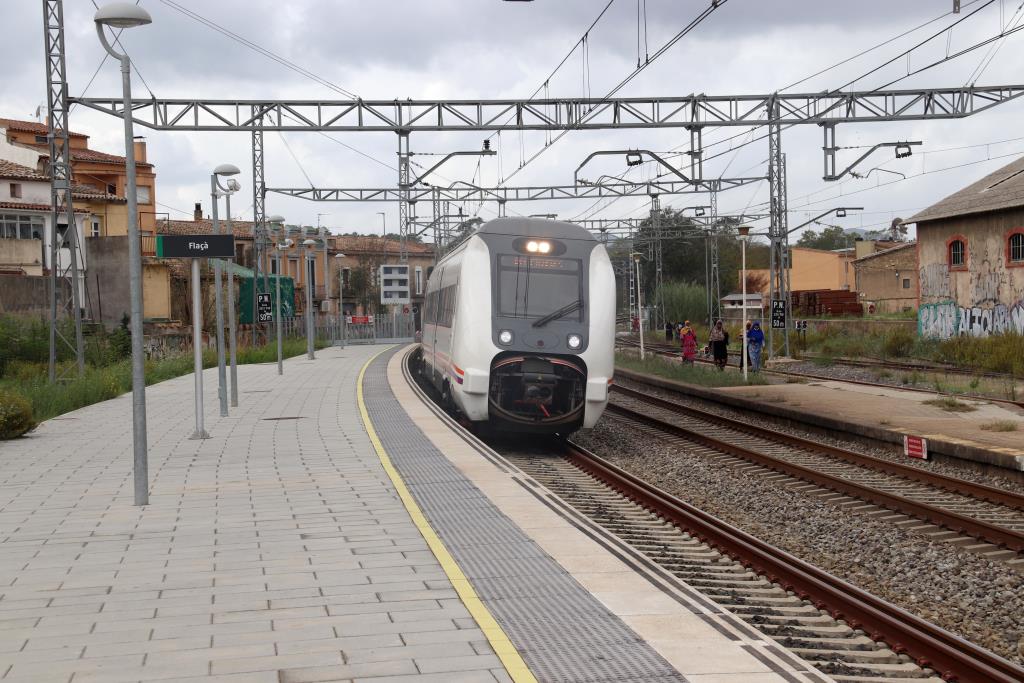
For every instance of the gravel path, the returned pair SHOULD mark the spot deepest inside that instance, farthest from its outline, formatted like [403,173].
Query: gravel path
[980,600]
[947,466]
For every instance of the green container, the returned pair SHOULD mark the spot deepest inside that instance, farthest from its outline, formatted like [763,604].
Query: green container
[245,316]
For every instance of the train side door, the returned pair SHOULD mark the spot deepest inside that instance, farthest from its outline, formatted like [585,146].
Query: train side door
[436,376]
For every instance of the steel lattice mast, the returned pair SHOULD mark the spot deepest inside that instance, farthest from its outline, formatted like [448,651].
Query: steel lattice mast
[62,275]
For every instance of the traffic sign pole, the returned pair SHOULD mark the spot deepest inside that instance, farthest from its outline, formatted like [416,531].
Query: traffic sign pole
[197,349]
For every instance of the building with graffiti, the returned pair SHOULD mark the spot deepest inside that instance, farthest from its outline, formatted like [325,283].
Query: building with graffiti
[971,258]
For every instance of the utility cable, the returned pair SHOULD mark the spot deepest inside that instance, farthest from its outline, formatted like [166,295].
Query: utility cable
[296,159]
[259,49]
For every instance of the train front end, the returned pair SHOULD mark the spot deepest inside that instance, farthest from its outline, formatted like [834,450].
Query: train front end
[552,323]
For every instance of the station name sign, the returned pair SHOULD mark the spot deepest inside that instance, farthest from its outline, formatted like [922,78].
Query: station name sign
[195,246]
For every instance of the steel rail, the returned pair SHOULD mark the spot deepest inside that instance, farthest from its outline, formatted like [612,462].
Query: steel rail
[999,536]
[929,645]
[961,486]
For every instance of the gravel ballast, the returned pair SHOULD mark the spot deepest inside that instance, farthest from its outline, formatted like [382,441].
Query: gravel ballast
[980,600]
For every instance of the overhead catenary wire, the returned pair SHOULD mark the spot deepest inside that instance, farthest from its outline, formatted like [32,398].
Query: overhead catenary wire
[696,21]
[590,210]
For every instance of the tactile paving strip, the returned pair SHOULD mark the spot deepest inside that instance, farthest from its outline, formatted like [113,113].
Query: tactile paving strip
[563,633]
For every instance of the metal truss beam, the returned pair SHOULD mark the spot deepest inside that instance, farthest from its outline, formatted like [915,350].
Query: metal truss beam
[464,192]
[692,111]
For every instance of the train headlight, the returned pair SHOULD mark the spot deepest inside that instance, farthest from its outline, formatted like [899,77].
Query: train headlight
[544,247]
[532,247]
[505,337]
[575,341]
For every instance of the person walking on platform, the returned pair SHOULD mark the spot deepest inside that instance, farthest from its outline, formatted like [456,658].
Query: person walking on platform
[719,339]
[755,343]
[746,358]
[668,331]
[688,341]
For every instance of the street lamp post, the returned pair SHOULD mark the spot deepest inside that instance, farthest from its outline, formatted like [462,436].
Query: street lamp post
[127,15]
[233,187]
[278,223]
[639,304]
[341,298]
[216,190]
[308,257]
[744,231]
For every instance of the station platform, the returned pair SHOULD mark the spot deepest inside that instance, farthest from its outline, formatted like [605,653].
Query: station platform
[332,529]
[880,413]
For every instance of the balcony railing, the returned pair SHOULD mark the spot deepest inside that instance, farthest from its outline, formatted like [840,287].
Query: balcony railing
[148,245]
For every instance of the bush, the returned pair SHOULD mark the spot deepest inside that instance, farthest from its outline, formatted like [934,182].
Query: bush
[15,415]
[898,343]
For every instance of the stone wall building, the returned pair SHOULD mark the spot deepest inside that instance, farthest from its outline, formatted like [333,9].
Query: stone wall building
[886,281]
[971,258]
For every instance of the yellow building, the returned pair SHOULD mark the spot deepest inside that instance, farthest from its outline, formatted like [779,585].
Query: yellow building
[814,269]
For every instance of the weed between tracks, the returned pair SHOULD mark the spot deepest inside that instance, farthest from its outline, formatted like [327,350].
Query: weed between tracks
[1000,426]
[950,404]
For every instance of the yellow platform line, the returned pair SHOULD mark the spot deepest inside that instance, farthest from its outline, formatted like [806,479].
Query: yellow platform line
[496,636]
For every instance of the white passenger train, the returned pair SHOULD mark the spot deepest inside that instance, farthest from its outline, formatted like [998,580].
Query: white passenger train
[519,326]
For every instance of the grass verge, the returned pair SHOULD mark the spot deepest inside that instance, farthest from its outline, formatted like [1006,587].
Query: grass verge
[702,375]
[103,383]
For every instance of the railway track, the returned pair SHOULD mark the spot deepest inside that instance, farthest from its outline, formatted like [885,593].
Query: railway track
[843,631]
[983,519]
[672,351]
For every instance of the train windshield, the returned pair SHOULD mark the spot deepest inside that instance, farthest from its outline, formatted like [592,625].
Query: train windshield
[535,286]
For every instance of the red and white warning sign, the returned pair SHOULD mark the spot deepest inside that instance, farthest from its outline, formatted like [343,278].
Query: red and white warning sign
[915,447]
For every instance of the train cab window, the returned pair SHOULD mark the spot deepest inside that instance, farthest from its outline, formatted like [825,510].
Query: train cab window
[534,286]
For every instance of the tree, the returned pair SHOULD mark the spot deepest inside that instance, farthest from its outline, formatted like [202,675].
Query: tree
[830,238]
[756,282]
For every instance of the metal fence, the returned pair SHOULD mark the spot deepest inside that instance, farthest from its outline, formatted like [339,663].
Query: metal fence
[374,329]
[356,329]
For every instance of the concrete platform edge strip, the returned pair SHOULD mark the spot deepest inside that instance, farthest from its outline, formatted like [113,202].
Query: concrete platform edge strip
[496,636]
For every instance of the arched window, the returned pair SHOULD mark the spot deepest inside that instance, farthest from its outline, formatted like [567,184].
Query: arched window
[957,254]
[1015,248]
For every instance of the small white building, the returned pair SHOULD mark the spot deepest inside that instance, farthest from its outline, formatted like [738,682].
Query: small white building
[733,307]
[26,234]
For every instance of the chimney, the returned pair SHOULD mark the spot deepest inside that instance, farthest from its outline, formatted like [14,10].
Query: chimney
[140,149]
[197,213]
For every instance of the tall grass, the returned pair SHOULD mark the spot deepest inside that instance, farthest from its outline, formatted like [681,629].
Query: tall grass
[29,379]
[685,301]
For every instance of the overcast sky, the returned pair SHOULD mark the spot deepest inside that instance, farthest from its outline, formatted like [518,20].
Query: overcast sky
[491,49]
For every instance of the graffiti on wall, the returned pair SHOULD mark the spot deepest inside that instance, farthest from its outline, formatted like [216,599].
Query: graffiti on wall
[985,283]
[946,319]
[935,281]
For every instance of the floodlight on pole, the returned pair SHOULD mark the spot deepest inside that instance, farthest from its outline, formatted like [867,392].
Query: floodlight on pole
[129,15]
